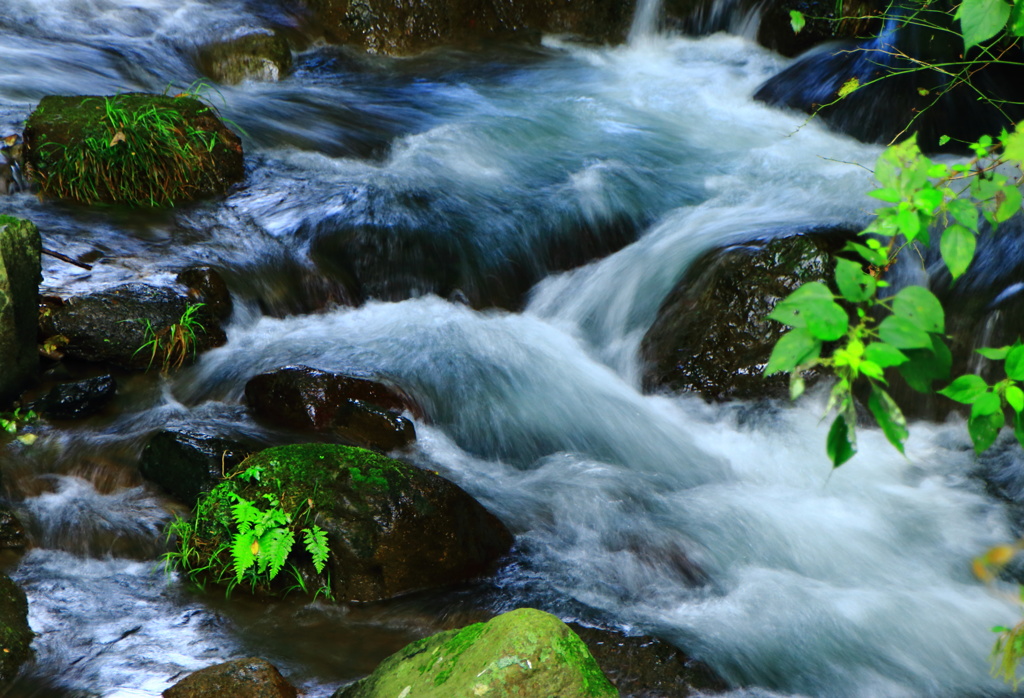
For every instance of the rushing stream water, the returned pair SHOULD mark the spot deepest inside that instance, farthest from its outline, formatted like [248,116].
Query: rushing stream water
[853,583]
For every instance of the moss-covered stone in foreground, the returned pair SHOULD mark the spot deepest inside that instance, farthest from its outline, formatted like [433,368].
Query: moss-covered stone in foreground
[15,633]
[20,247]
[525,653]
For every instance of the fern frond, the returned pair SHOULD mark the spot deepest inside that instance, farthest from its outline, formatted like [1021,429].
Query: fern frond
[242,554]
[274,548]
[315,539]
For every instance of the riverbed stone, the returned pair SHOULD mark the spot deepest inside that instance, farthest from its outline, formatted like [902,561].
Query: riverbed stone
[78,399]
[251,677]
[20,275]
[261,55]
[188,463]
[15,634]
[521,653]
[360,411]
[206,285]
[712,335]
[117,326]
[12,531]
[75,151]
[391,528]
[395,28]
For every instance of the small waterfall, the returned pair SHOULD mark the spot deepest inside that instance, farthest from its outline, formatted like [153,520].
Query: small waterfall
[646,20]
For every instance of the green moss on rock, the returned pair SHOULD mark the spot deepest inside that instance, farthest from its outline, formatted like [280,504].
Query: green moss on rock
[130,149]
[20,248]
[15,633]
[521,654]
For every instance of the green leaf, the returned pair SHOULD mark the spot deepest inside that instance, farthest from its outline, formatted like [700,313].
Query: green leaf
[793,349]
[1015,363]
[1016,23]
[884,355]
[812,306]
[984,430]
[854,285]
[1015,398]
[275,545]
[903,333]
[838,445]
[966,389]
[965,212]
[957,248]
[242,555]
[920,306]
[1018,428]
[980,20]
[889,417]
[996,354]
[888,194]
[796,20]
[848,88]
[925,366]
[1008,201]
[1013,143]
[876,257]
[909,223]
[316,543]
[986,404]
[797,385]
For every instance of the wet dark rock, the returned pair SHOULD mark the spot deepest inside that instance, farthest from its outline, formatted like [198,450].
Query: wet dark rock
[115,325]
[206,285]
[261,55]
[12,532]
[525,652]
[78,399]
[360,411]
[15,633]
[645,667]
[241,678]
[391,528]
[382,26]
[20,274]
[187,464]
[712,334]
[60,137]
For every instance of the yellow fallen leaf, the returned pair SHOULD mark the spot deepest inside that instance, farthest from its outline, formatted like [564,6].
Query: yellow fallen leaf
[849,87]
[118,138]
[980,571]
[1000,555]
[255,547]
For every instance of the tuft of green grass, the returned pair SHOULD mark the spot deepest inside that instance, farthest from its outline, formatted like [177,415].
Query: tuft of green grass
[173,344]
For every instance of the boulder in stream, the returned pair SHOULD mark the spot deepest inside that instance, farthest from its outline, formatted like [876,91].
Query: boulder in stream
[251,677]
[394,28]
[391,528]
[15,634]
[20,274]
[260,55]
[360,411]
[188,463]
[712,335]
[130,149]
[134,326]
[78,399]
[525,652]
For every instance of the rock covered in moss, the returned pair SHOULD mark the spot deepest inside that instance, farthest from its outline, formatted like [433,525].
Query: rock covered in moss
[712,334]
[241,678]
[395,28]
[130,149]
[362,412]
[391,528]
[20,274]
[117,326]
[15,633]
[525,653]
[261,55]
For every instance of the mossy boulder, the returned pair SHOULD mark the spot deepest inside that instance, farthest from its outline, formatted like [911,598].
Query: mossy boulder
[251,677]
[391,528]
[15,633]
[20,274]
[397,28]
[130,149]
[119,325]
[712,334]
[260,55]
[360,411]
[525,653]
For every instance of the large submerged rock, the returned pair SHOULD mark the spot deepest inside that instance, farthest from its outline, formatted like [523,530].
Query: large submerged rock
[20,274]
[519,654]
[130,149]
[259,55]
[241,678]
[397,28]
[391,528]
[712,334]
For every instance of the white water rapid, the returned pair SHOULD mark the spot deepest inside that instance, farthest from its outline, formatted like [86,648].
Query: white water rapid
[719,528]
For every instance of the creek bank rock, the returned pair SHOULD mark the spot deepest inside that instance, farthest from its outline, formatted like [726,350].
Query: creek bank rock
[189,463]
[78,399]
[130,149]
[260,55]
[20,275]
[712,334]
[645,667]
[241,678]
[12,531]
[362,412]
[391,528]
[135,326]
[522,653]
[15,634]
[395,28]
